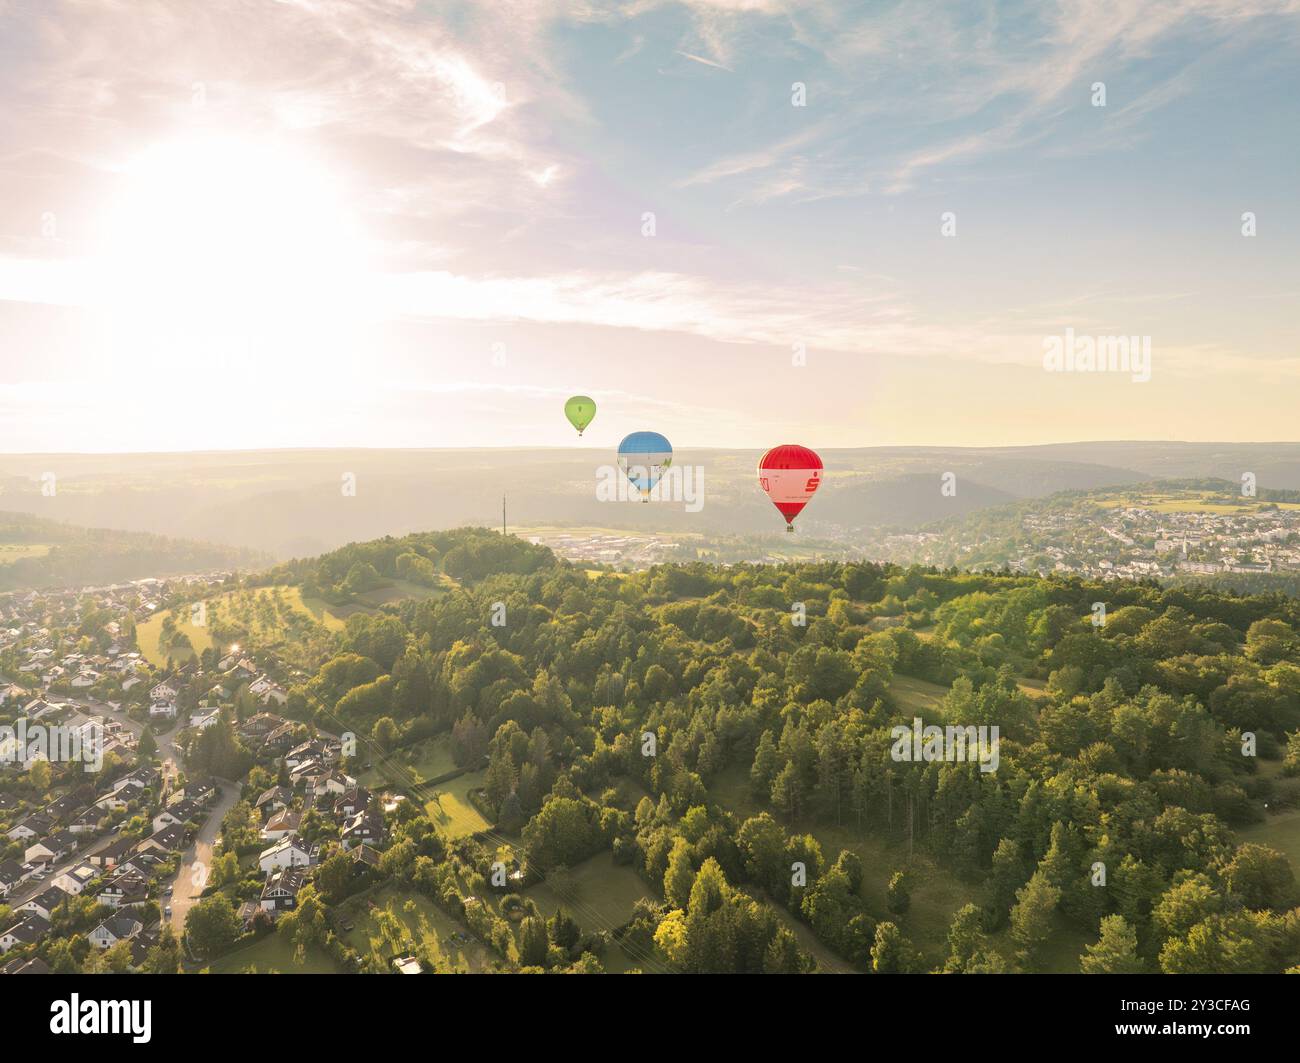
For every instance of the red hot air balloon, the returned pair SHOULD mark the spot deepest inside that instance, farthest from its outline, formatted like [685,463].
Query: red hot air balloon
[790,474]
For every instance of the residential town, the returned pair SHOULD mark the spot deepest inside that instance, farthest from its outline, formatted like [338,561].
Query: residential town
[108,858]
[1114,542]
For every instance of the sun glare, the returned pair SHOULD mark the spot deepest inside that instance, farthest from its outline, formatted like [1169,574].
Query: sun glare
[216,244]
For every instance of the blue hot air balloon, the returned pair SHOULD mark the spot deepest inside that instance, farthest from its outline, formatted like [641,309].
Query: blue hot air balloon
[643,457]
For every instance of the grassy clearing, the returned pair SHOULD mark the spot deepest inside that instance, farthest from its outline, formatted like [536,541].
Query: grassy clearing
[936,892]
[827,961]
[450,808]
[273,954]
[11,552]
[269,614]
[1281,832]
[919,696]
[391,923]
[599,895]
[413,765]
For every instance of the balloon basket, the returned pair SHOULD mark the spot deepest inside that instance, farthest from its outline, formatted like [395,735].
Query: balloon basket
[789,528]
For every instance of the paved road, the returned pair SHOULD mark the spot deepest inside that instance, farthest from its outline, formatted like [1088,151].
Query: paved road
[31,888]
[171,758]
[198,858]
[167,750]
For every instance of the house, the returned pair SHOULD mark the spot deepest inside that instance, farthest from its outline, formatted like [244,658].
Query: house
[34,826]
[281,889]
[144,941]
[306,774]
[142,864]
[41,853]
[364,857]
[62,807]
[407,965]
[282,825]
[87,678]
[171,839]
[204,718]
[76,880]
[125,891]
[280,739]
[27,931]
[88,821]
[164,691]
[145,775]
[266,690]
[273,800]
[334,782]
[287,852]
[260,725]
[324,750]
[129,791]
[114,929]
[367,827]
[44,903]
[11,874]
[26,965]
[162,710]
[113,853]
[200,791]
[353,800]
[178,814]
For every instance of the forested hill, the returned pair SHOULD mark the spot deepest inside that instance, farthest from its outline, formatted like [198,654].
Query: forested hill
[1138,750]
[420,559]
[38,553]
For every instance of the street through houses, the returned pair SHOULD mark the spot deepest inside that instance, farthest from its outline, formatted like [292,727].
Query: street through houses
[192,875]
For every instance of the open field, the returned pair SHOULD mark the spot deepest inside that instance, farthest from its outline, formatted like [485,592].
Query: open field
[1190,502]
[396,590]
[918,695]
[413,765]
[267,619]
[1281,832]
[827,961]
[274,955]
[400,922]
[11,552]
[599,895]
[451,811]
[936,893]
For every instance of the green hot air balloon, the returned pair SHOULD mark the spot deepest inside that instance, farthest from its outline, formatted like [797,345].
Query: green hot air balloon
[580,410]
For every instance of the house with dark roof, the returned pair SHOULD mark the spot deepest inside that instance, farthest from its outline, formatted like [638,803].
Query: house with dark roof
[26,965]
[114,929]
[365,827]
[11,874]
[282,888]
[113,853]
[44,903]
[26,931]
[273,800]
[125,891]
[171,839]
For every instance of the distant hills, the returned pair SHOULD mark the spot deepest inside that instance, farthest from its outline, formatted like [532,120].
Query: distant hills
[37,553]
[294,504]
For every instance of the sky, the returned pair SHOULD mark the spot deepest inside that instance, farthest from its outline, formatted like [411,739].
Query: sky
[387,223]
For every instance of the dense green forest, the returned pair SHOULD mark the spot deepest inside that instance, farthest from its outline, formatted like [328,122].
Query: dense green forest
[1132,747]
[48,553]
